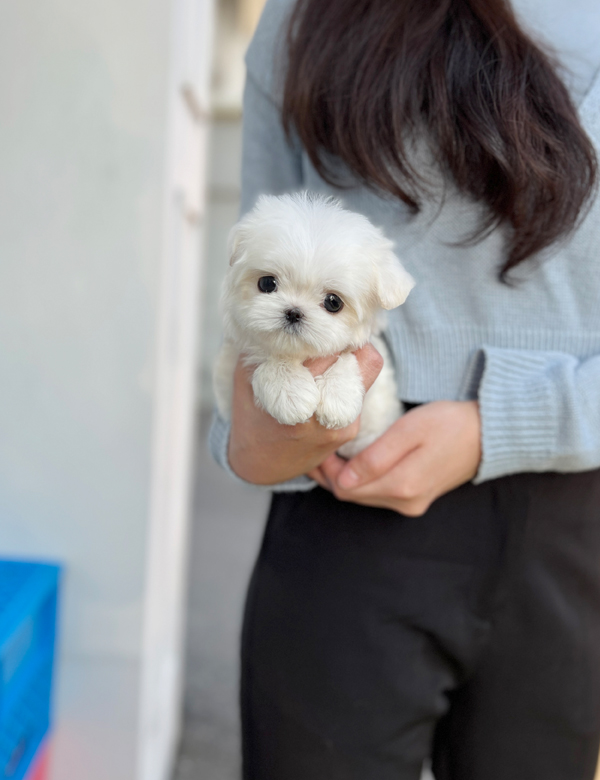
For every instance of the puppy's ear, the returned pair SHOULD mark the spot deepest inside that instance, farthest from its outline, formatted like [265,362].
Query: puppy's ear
[394,281]
[237,241]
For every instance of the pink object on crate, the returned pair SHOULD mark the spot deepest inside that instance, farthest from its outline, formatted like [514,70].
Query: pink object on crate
[39,769]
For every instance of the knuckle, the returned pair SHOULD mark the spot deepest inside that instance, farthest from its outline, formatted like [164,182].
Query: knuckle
[373,361]
[333,436]
[408,491]
[415,509]
[377,361]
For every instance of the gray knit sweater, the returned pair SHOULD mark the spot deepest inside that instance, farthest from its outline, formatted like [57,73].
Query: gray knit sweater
[529,353]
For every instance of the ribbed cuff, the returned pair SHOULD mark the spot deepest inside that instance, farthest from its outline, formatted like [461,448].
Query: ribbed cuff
[218,443]
[519,412]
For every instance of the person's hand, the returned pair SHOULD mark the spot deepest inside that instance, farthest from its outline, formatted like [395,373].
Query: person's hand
[263,451]
[427,452]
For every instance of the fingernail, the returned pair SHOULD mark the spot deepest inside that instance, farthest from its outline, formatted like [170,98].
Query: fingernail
[348,478]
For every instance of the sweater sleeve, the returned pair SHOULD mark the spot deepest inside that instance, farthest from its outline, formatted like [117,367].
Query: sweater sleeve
[540,411]
[270,164]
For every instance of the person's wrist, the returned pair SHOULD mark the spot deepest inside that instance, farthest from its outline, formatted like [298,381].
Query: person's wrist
[260,466]
[246,467]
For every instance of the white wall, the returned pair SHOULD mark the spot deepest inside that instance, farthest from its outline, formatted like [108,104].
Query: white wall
[100,214]
[222,212]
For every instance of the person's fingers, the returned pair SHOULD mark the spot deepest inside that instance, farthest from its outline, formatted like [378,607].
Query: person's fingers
[369,360]
[331,467]
[318,366]
[242,376]
[319,477]
[242,390]
[378,458]
[370,363]
[405,480]
[242,372]
[245,406]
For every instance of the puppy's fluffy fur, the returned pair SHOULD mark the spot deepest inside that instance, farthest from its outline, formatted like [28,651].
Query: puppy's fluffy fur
[311,255]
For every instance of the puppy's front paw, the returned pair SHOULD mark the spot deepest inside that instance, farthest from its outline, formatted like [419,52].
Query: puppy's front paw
[342,392]
[332,415]
[287,393]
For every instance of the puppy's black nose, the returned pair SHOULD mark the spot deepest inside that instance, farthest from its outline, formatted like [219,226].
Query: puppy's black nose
[293,315]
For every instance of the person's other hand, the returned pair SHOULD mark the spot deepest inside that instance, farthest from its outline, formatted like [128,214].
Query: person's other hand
[427,452]
[263,451]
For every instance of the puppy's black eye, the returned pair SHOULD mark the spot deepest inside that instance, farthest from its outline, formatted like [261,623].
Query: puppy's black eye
[333,303]
[267,284]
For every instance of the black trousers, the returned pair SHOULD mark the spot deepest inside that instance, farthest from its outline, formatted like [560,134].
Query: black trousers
[470,636]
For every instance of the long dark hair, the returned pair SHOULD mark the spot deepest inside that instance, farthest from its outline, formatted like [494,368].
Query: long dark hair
[364,76]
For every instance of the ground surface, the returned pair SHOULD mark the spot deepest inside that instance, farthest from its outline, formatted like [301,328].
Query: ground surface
[228,522]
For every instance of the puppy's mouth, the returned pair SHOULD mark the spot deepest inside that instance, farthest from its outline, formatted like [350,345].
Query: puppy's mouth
[292,327]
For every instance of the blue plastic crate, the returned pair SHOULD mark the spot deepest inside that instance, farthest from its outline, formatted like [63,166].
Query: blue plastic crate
[28,601]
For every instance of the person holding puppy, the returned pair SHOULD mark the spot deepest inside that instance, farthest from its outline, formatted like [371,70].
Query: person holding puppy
[437,596]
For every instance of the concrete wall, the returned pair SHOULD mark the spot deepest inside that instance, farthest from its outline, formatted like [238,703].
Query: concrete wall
[101,140]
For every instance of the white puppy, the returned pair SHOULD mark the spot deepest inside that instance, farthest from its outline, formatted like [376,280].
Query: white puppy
[308,278]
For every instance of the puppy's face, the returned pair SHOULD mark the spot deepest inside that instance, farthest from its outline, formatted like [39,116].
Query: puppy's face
[307,277]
